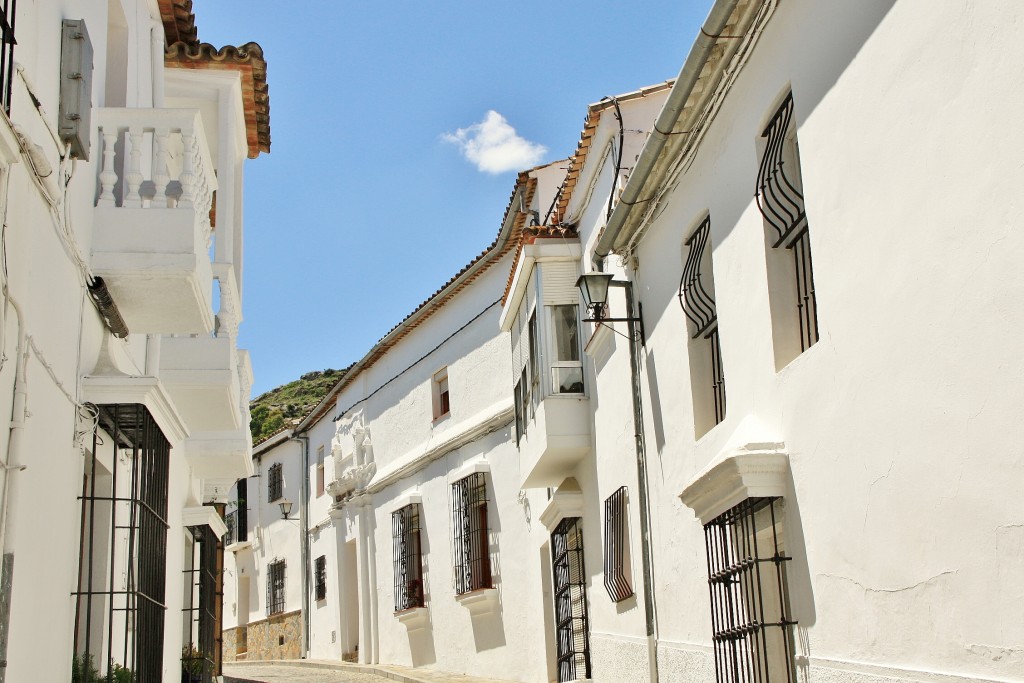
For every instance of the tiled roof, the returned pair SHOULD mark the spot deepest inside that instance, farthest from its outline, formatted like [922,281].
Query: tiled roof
[179,22]
[249,62]
[579,157]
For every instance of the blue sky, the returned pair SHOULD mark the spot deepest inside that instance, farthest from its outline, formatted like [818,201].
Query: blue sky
[368,201]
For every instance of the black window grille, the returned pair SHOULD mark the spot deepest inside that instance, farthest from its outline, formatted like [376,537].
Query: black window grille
[752,627]
[275,482]
[231,522]
[242,511]
[7,52]
[199,654]
[320,572]
[472,547]
[275,587]
[781,201]
[405,536]
[616,547]
[124,533]
[697,297]
[572,624]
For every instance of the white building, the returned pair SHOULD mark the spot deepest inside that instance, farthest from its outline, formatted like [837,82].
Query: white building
[124,395]
[831,461]
[757,466]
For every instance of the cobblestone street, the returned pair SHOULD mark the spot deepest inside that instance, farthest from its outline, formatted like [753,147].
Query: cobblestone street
[294,674]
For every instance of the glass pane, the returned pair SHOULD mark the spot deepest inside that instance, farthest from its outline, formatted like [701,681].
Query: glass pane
[567,380]
[566,327]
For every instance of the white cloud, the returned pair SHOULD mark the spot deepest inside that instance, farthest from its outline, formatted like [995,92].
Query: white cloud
[494,146]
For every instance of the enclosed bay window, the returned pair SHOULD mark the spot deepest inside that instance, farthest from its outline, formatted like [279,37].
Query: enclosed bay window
[566,363]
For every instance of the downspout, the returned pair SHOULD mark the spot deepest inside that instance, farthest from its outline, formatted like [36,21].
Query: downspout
[303,517]
[703,44]
[19,414]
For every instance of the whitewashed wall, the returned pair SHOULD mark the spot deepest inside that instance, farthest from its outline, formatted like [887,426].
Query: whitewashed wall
[900,422]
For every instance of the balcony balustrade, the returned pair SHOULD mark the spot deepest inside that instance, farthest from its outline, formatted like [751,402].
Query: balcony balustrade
[152,218]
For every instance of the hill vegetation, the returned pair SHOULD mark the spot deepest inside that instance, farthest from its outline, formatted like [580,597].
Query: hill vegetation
[289,403]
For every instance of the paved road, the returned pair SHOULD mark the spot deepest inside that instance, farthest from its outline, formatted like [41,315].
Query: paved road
[294,674]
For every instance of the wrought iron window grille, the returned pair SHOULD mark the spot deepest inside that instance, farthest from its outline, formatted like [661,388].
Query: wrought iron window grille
[124,527]
[7,43]
[572,623]
[320,573]
[471,543]
[696,296]
[198,655]
[275,587]
[616,547]
[407,555]
[750,616]
[780,198]
[275,482]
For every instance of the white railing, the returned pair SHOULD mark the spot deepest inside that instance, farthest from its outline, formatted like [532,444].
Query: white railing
[155,158]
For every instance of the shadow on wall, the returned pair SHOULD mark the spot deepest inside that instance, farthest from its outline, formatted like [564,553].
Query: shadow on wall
[421,645]
[801,591]
[489,629]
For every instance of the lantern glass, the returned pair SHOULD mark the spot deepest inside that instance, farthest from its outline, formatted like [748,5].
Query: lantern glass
[594,288]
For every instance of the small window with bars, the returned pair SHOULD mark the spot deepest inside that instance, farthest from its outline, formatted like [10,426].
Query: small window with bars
[750,614]
[470,534]
[618,575]
[320,577]
[572,624]
[275,587]
[780,199]
[405,535]
[697,297]
[275,482]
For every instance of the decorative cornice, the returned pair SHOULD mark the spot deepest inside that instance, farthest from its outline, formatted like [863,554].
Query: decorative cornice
[755,470]
[563,504]
[147,391]
[204,515]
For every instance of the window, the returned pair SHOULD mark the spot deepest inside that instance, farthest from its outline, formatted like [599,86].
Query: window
[469,522]
[135,524]
[572,625]
[788,250]
[442,400]
[566,365]
[617,570]
[752,629]
[7,15]
[697,297]
[274,482]
[526,375]
[199,653]
[319,471]
[405,534]
[275,587]
[320,577]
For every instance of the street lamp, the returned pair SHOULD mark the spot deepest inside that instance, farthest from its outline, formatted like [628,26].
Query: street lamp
[594,289]
[286,508]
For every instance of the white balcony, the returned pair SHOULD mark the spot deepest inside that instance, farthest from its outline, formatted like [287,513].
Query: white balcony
[152,231]
[201,375]
[556,439]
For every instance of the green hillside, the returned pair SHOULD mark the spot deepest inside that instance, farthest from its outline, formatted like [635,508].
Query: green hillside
[289,403]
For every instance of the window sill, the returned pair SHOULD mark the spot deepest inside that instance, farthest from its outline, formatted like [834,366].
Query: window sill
[440,419]
[414,618]
[479,602]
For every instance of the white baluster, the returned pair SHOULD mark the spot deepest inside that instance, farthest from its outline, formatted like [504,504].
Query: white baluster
[133,177]
[161,176]
[188,172]
[108,176]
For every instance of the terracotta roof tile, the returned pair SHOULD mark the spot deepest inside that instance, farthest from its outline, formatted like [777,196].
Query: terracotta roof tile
[249,62]
[179,22]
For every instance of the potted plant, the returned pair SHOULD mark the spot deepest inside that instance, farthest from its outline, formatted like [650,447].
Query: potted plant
[191,664]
